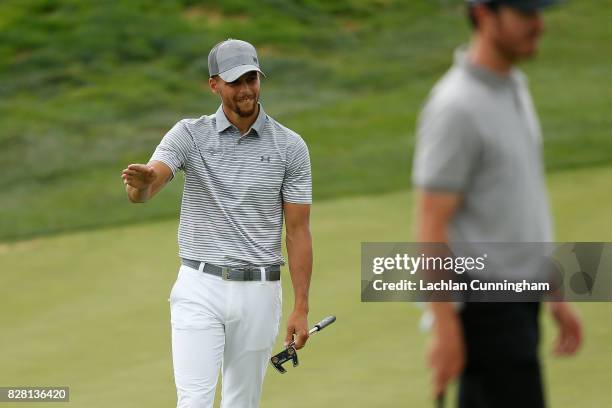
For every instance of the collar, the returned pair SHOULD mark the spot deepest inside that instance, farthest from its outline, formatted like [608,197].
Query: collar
[222,122]
[483,73]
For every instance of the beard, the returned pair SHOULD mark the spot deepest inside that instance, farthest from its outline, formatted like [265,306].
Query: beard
[514,48]
[249,110]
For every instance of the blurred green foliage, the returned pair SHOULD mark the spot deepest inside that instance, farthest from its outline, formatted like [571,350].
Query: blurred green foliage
[88,87]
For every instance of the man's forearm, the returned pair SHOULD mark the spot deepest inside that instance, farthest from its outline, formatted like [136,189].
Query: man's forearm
[434,214]
[435,231]
[299,250]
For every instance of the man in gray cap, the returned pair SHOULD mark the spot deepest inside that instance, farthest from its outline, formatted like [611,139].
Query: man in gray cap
[479,177]
[244,174]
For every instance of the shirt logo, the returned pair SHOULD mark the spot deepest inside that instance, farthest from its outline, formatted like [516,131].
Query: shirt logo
[265,158]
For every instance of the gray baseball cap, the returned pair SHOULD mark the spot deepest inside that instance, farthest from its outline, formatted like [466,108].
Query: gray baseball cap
[230,59]
[525,5]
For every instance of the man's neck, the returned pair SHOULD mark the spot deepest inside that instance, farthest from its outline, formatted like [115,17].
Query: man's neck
[486,55]
[242,123]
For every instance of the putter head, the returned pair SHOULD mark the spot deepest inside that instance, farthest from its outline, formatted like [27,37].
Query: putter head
[290,353]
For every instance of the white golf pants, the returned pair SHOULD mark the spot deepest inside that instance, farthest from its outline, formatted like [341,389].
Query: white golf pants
[218,324]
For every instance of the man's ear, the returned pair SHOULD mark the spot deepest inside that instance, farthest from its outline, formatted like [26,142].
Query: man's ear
[212,83]
[482,14]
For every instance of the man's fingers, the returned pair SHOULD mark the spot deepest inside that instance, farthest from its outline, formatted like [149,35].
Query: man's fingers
[141,168]
[128,172]
[301,340]
[299,337]
[571,345]
[289,336]
[138,176]
[560,348]
[577,336]
[567,344]
[570,338]
[137,167]
[443,372]
[440,380]
[131,182]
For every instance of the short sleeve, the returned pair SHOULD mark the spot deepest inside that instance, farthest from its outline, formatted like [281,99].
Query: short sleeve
[447,149]
[174,148]
[297,183]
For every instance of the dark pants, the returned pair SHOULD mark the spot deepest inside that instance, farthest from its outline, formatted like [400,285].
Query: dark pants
[502,365]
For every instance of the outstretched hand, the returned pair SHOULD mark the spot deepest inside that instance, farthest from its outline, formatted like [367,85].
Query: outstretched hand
[139,176]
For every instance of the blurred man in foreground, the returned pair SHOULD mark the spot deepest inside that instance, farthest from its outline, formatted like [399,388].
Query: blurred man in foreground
[479,176]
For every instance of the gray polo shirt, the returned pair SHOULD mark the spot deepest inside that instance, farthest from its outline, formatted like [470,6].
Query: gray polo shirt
[235,186]
[479,135]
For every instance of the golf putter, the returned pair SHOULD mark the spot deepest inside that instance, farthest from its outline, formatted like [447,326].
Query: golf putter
[290,353]
[440,400]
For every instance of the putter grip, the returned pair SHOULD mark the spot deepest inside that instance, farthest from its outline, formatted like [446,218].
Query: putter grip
[325,322]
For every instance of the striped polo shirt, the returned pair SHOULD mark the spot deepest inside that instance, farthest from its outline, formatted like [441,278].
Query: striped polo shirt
[235,186]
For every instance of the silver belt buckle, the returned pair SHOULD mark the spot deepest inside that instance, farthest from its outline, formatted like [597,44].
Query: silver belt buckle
[225,273]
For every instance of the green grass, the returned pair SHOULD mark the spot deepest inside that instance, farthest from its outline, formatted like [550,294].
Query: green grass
[86,88]
[89,310]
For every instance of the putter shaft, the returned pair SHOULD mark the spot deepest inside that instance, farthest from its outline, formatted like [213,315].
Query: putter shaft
[440,400]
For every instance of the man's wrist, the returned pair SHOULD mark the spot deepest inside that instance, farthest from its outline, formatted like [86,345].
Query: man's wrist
[555,306]
[445,316]
[138,195]
[443,309]
[301,308]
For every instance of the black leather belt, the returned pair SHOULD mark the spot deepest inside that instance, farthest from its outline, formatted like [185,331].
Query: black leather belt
[235,274]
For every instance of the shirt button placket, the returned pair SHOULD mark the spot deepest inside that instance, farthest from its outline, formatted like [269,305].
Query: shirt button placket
[228,144]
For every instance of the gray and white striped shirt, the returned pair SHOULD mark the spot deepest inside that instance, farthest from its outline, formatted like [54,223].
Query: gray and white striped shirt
[235,186]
